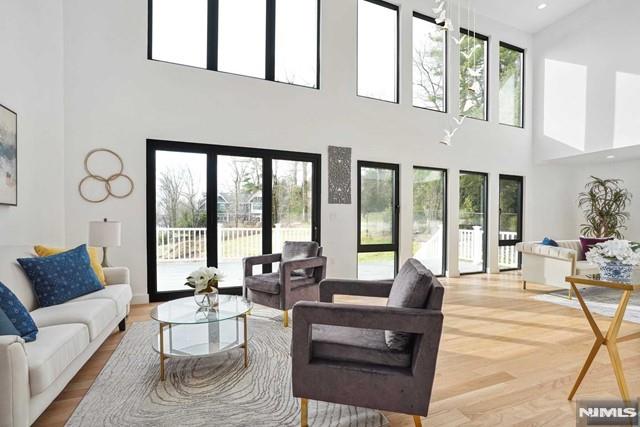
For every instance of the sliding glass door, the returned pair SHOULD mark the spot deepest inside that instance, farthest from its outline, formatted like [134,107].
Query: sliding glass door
[250,215]
[430,218]
[472,241]
[511,203]
[378,207]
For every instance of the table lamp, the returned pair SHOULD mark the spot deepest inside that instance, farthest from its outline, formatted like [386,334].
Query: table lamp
[105,234]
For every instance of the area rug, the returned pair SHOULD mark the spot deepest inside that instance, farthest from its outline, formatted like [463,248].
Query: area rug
[601,301]
[214,391]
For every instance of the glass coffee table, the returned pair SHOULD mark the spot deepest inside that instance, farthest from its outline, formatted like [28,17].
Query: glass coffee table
[186,330]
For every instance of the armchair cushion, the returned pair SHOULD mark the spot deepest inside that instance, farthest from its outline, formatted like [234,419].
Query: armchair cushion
[270,283]
[357,345]
[300,250]
[410,289]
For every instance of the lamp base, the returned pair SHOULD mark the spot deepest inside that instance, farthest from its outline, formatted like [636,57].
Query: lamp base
[105,261]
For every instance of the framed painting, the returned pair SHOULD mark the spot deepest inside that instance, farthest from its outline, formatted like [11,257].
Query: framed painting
[8,157]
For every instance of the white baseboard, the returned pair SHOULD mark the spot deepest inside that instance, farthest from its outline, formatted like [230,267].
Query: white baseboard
[140,299]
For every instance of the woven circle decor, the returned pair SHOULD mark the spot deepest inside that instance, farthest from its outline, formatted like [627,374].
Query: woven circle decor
[108,189]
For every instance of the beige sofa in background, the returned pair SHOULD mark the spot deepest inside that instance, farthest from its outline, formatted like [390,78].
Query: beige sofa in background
[549,265]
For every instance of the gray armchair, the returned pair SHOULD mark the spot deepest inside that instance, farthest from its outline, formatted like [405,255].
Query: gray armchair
[379,357]
[302,268]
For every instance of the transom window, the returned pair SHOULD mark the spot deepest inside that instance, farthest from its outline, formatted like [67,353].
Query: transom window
[429,64]
[511,85]
[266,39]
[474,55]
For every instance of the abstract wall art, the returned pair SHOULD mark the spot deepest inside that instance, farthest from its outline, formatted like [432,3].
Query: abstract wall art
[339,175]
[8,157]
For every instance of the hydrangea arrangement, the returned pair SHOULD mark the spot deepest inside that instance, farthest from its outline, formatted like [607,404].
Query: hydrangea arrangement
[615,251]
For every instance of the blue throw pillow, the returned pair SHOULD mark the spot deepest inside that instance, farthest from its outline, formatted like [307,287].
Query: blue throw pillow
[549,242]
[59,278]
[17,314]
[6,326]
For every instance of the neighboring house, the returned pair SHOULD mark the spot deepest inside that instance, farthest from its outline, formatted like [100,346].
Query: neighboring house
[249,207]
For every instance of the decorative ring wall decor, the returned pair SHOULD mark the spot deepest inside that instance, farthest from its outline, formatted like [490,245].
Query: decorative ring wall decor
[108,189]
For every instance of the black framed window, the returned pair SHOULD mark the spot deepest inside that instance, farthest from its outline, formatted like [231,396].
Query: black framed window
[429,243]
[378,46]
[511,97]
[511,221]
[276,40]
[188,227]
[378,224]
[474,63]
[472,240]
[429,63]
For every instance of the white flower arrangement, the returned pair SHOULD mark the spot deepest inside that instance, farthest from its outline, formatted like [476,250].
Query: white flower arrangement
[204,280]
[619,251]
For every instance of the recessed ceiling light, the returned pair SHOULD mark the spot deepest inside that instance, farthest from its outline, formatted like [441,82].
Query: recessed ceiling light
[611,156]
[542,6]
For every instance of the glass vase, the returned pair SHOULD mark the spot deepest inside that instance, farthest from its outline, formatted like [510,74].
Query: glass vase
[206,299]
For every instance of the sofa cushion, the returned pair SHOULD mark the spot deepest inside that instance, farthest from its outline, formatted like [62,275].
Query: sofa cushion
[270,283]
[17,314]
[120,294]
[96,314]
[55,348]
[94,259]
[410,289]
[59,278]
[344,344]
[588,243]
[12,275]
[585,267]
[300,250]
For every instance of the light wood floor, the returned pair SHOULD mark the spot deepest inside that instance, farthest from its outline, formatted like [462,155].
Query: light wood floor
[505,359]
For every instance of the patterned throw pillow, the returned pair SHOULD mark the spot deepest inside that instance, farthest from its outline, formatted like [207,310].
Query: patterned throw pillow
[93,256]
[59,278]
[17,314]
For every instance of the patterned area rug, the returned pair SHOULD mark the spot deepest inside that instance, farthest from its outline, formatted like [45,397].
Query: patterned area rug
[214,391]
[602,301]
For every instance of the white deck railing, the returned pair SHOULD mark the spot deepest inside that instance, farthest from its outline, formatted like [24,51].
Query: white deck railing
[190,244]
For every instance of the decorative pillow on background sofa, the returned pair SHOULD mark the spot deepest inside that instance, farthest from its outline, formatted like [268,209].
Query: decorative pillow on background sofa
[17,314]
[6,326]
[549,242]
[59,278]
[93,256]
[589,242]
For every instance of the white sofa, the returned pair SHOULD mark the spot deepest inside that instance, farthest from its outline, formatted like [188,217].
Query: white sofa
[549,265]
[32,374]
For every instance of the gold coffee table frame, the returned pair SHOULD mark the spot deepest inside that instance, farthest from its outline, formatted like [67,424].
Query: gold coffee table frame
[609,338]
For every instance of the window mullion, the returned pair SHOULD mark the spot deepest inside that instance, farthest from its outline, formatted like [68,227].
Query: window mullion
[270,51]
[212,35]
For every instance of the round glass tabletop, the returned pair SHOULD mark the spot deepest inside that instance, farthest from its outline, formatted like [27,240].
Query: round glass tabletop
[185,311]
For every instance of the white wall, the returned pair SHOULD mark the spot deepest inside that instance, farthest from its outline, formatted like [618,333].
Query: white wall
[116,98]
[31,77]
[587,80]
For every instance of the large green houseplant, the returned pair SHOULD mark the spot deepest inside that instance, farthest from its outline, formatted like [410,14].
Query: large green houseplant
[604,203]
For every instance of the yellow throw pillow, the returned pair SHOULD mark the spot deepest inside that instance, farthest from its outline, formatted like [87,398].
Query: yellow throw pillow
[93,258]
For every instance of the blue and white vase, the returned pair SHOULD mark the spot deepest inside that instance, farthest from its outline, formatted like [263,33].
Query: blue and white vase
[615,271]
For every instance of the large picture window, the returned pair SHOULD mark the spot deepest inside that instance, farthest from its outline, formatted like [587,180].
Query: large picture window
[472,241]
[429,64]
[378,207]
[474,57]
[378,50]
[511,108]
[430,218]
[511,207]
[266,39]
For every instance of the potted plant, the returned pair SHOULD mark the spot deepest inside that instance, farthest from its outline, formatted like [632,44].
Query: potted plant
[604,204]
[204,281]
[616,258]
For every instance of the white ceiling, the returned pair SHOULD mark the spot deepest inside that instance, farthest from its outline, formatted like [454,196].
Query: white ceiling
[524,14]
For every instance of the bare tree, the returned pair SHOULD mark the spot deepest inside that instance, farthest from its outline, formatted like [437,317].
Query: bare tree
[240,170]
[170,190]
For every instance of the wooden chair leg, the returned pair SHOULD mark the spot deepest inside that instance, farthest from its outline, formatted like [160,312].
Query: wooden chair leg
[417,421]
[570,294]
[304,413]
[285,319]
[524,285]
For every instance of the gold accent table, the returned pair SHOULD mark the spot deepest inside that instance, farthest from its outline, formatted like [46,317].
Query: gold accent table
[610,338]
[186,330]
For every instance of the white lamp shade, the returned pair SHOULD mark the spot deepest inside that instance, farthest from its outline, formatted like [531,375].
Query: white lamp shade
[104,233]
